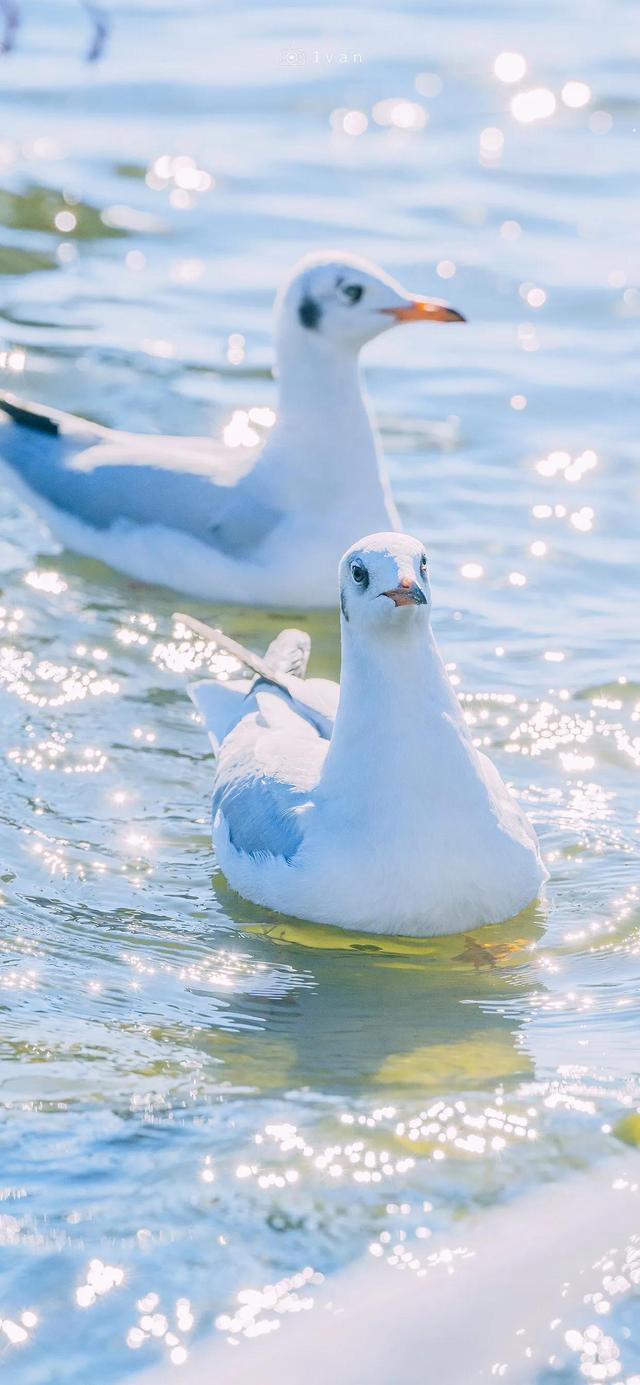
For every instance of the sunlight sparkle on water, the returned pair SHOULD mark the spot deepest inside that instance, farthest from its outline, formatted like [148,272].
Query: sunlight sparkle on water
[576,94]
[601,122]
[510,67]
[65,222]
[403,114]
[14,360]
[510,230]
[238,431]
[180,170]
[582,519]
[537,104]
[265,417]
[536,298]
[282,1297]
[355,123]
[561,462]
[235,355]
[305,1098]
[348,122]
[46,581]
[187,271]
[155,1325]
[101,1279]
[491,143]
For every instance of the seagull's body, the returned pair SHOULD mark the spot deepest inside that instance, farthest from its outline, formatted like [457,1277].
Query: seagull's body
[367,805]
[229,524]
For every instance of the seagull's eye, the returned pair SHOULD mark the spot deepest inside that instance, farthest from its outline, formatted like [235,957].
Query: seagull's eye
[352,292]
[423,564]
[360,574]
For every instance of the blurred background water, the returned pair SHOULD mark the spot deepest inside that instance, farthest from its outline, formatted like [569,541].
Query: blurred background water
[201,1099]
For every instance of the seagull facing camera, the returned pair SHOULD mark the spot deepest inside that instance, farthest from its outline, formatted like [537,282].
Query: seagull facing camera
[374,584]
[365,805]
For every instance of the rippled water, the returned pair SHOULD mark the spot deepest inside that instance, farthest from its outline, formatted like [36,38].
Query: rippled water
[200,1098]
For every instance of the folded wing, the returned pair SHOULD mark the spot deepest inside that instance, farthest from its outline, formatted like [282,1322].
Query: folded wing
[104,478]
[267,769]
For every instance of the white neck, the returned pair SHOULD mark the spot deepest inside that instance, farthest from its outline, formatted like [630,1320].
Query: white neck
[399,730]
[325,442]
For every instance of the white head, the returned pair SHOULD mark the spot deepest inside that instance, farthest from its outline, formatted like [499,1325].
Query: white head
[384,586]
[341,301]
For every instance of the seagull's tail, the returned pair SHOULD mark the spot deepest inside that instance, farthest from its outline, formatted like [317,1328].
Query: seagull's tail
[29,415]
[36,444]
[289,653]
[29,445]
[221,704]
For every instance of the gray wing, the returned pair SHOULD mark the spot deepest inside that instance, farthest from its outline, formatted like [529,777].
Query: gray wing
[105,478]
[266,772]
[245,521]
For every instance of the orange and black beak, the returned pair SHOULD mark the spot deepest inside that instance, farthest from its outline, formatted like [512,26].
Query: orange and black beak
[407,593]
[424,310]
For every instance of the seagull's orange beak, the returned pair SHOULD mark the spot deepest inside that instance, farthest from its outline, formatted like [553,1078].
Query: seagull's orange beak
[424,310]
[407,593]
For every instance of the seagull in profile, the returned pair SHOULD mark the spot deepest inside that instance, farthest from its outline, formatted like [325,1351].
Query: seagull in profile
[229,523]
[365,805]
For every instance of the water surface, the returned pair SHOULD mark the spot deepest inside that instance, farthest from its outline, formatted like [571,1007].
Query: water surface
[202,1099]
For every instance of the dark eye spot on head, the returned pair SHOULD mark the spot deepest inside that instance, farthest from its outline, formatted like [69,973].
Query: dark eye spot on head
[360,574]
[423,563]
[353,292]
[309,312]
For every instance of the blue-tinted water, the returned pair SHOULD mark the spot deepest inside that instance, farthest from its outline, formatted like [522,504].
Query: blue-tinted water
[198,1099]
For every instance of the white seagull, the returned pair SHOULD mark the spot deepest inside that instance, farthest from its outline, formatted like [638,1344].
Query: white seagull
[229,524]
[364,805]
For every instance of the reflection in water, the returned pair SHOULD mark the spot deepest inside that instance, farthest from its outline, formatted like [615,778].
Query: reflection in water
[405,1012]
[209,1107]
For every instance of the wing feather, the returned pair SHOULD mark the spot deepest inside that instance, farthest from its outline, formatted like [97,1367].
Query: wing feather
[105,478]
[266,771]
